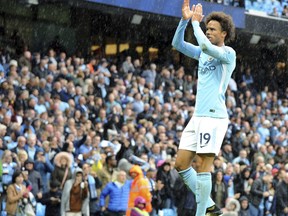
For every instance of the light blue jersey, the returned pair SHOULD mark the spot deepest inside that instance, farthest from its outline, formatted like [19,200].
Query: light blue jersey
[216,65]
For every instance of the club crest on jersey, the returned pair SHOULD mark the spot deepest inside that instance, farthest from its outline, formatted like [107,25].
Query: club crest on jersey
[210,59]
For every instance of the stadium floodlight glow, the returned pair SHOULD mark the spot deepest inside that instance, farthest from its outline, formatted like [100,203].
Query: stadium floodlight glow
[136,19]
[255,39]
[29,2]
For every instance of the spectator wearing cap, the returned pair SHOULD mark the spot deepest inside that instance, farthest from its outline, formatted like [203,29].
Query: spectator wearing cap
[139,187]
[118,192]
[244,206]
[52,200]
[226,152]
[75,196]
[62,171]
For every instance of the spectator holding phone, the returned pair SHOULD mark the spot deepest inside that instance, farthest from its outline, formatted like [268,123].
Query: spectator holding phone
[75,196]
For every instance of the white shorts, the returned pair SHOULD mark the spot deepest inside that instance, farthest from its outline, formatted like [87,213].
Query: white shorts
[204,134]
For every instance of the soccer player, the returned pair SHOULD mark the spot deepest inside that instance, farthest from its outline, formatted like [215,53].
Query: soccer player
[203,136]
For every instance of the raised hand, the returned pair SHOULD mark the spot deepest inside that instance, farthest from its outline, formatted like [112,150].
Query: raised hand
[197,12]
[186,12]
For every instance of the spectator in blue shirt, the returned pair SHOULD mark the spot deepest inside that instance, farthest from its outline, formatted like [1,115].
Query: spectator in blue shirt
[118,193]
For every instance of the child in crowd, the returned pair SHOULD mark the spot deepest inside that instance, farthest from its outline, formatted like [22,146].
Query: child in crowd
[139,207]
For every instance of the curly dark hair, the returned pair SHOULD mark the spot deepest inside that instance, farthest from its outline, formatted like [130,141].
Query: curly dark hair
[226,23]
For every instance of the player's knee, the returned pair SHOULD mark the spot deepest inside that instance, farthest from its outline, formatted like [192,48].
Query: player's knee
[180,165]
[204,162]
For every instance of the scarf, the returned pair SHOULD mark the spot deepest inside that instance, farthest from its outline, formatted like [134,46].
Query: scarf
[92,187]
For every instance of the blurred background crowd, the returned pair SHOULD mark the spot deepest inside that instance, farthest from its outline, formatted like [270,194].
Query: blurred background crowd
[117,124]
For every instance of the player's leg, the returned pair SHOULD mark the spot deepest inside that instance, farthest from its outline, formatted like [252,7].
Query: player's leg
[210,137]
[185,155]
[183,166]
[204,182]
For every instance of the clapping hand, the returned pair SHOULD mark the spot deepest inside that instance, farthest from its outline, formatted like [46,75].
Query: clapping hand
[197,13]
[186,12]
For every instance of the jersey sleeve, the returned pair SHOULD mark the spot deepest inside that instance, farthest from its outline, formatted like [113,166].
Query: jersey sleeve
[224,54]
[182,46]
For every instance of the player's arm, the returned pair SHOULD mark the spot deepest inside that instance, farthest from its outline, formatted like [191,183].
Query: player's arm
[182,46]
[178,39]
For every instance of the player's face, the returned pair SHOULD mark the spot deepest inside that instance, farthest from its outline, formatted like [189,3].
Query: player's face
[214,33]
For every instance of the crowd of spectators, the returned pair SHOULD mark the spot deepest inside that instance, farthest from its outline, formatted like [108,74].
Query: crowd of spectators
[268,7]
[273,8]
[64,117]
[234,3]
